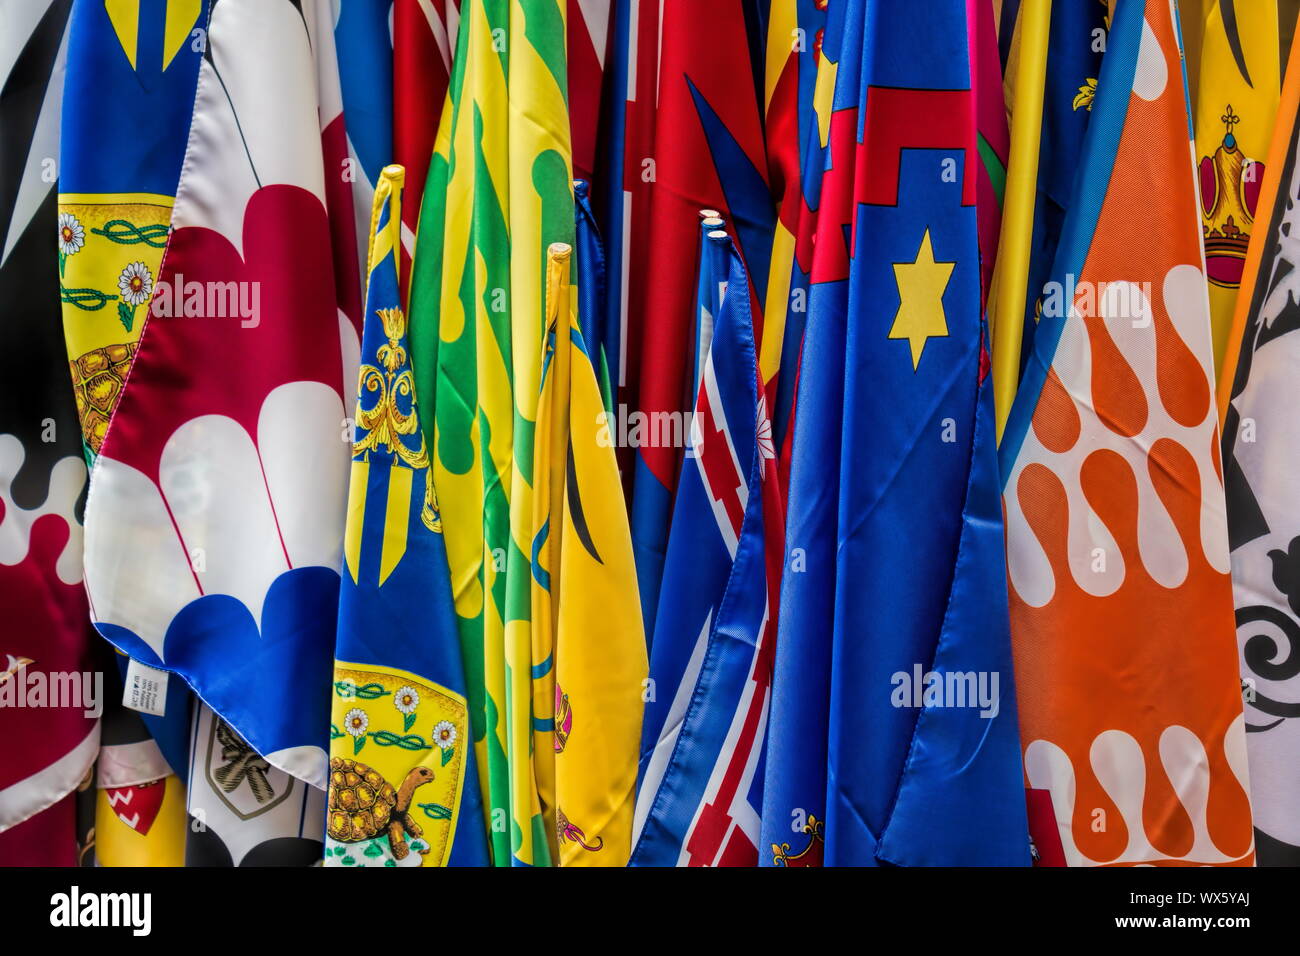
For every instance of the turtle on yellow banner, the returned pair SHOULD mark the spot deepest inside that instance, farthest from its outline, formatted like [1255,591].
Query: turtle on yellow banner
[403,788]
[382,806]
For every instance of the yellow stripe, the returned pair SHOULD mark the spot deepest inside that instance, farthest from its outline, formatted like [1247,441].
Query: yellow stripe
[125,17]
[115,199]
[357,483]
[778,301]
[1012,268]
[181,17]
[781,39]
[397,520]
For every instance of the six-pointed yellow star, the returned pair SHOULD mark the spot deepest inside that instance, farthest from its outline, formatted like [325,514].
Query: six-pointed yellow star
[920,299]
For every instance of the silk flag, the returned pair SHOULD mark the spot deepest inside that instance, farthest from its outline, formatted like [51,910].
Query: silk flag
[815,133]
[593,292]
[709,153]
[403,786]
[363,39]
[499,192]
[992,135]
[49,750]
[1121,604]
[214,525]
[795,35]
[115,204]
[700,794]
[424,38]
[587,43]
[115,197]
[626,142]
[586,625]
[893,735]
[1260,449]
[1238,87]
[242,810]
[139,796]
[1076,41]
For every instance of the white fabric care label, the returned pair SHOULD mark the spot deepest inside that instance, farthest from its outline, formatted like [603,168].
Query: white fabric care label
[146,689]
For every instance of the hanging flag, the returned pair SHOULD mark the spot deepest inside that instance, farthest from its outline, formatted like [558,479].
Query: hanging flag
[403,789]
[499,192]
[627,142]
[1236,104]
[1008,288]
[1076,42]
[360,99]
[1260,448]
[700,794]
[593,292]
[587,42]
[991,132]
[46,643]
[115,205]
[585,622]
[115,197]
[140,799]
[795,34]
[242,810]
[424,38]
[709,153]
[1121,604]
[893,735]
[214,528]
[814,129]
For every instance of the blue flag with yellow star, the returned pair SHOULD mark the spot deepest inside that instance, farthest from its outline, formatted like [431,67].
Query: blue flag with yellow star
[403,788]
[893,735]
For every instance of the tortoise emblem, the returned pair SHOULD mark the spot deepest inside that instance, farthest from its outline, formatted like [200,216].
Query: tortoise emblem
[362,805]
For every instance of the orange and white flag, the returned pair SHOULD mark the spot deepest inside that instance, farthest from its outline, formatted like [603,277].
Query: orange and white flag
[1121,601]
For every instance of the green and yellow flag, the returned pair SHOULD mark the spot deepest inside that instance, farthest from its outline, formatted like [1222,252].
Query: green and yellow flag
[583,618]
[499,193]
[1236,104]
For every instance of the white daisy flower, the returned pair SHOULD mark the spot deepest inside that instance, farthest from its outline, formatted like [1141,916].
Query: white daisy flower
[136,284]
[71,234]
[444,734]
[356,722]
[406,699]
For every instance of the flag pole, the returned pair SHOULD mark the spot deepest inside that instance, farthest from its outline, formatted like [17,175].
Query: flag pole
[1011,274]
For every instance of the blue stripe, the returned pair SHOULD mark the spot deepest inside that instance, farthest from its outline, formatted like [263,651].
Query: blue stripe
[1109,113]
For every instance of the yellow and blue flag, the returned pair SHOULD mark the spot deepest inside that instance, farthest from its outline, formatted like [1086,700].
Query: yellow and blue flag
[586,624]
[1116,545]
[403,788]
